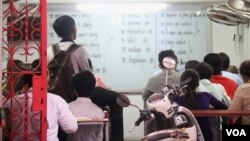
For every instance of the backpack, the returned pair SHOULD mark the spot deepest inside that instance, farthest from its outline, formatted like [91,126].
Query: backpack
[61,73]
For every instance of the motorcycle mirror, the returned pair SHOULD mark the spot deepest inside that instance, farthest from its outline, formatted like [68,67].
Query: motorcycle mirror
[123,100]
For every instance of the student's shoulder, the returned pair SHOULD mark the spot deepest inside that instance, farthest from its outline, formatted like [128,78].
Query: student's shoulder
[55,98]
[204,94]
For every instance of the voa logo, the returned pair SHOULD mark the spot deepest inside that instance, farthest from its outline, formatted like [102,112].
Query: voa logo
[236,132]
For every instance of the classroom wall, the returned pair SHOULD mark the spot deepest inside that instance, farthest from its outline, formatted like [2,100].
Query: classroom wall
[222,35]
[222,40]
[171,1]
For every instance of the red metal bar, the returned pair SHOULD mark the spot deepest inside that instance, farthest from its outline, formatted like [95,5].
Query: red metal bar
[43,11]
[220,113]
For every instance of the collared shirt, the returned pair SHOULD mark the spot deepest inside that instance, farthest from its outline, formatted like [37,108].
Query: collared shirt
[83,107]
[57,113]
[238,80]
[217,90]
[79,57]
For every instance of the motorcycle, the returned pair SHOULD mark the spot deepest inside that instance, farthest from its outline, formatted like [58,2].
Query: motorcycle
[170,121]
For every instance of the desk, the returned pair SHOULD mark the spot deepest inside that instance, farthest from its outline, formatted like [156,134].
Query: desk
[89,121]
[228,113]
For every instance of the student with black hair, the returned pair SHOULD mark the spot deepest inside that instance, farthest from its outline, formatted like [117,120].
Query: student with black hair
[104,97]
[205,72]
[58,113]
[191,64]
[65,28]
[84,83]
[241,100]
[216,63]
[168,76]
[198,101]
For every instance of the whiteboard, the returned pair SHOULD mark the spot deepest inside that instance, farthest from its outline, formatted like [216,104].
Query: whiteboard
[124,47]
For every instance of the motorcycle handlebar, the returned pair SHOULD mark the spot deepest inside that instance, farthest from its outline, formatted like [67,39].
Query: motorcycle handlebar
[143,116]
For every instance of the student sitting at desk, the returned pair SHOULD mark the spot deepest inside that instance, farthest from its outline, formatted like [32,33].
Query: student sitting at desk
[58,114]
[198,101]
[84,83]
[241,100]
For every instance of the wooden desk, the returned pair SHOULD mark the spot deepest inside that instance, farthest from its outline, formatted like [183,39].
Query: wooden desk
[225,113]
[89,121]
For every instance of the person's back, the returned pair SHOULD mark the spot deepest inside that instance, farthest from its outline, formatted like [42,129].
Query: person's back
[84,83]
[104,97]
[198,101]
[58,113]
[167,62]
[241,100]
[65,28]
[226,73]
[215,61]
[205,72]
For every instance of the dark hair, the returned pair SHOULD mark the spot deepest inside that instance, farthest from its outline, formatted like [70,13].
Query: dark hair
[191,64]
[215,61]
[166,53]
[189,97]
[63,26]
[225,60]
[90,64]
[204,70]
[36,66]
[27,80]
[245,68]
[84,83]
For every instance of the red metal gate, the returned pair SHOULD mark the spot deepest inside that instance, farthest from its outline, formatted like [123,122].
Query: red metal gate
[24,44]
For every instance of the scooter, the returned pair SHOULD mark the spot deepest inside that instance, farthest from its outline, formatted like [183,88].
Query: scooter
[170,121]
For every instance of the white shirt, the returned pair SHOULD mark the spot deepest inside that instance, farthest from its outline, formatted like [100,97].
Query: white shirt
[238,80]
[83,107]
[57,113]
[217,90]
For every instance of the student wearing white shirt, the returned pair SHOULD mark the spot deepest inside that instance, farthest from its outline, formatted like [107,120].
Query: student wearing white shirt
[205,72]
[58,113]
[84,83]
[226,63]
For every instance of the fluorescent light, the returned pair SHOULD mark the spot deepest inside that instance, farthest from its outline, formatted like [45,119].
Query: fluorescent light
[121,7]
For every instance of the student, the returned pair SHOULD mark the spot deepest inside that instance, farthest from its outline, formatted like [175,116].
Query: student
[167,62]
[65,28]
[84,83]
[226,64]
[198,101]
[191,64]
[215,61]
[205,72]
[241,100]
[104,97]
[58,113]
